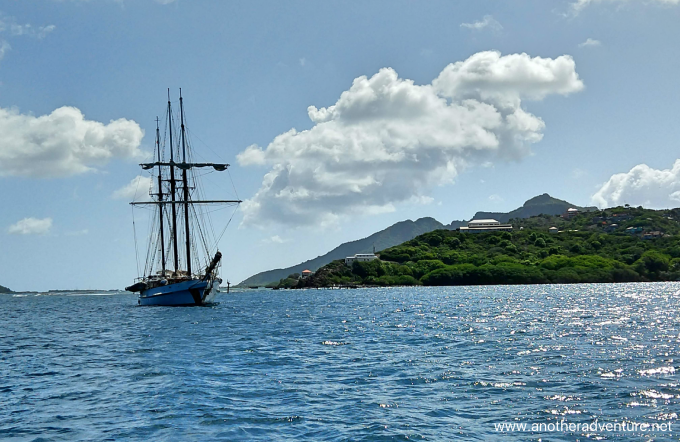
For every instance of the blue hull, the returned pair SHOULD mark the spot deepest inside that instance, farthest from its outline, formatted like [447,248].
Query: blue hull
[181,293]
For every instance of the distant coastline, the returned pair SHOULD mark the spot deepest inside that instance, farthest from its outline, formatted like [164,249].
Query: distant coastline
[59,292]
[83,291]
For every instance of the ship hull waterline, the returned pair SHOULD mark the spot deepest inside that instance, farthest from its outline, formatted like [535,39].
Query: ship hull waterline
[186,293]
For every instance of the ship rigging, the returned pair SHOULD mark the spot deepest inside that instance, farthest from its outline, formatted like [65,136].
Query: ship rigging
[182,260]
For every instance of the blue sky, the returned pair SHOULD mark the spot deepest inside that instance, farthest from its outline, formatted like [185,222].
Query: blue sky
[597,92]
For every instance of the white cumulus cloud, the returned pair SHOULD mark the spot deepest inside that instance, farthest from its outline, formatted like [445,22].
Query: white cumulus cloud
[135,190]
[62,143]
[641,186]
[31,226]
[387,140]
[589,43]
[486,22]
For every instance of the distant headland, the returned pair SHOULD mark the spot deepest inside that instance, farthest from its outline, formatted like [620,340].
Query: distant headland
[406,230]
[620,244]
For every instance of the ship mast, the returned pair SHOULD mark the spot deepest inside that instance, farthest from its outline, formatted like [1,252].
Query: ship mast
[160,196]
[173,189]
[184,200]
[186,187]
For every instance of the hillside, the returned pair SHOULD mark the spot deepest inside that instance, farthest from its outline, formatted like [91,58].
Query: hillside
[405,230]
[4,289]
[391,236]
[538,205]
[616,245]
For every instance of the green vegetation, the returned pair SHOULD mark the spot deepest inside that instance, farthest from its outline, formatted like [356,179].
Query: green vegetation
[591,247]
[391,236]
[4,289]
[404,231]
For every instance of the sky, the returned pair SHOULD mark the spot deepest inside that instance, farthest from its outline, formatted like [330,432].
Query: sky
[339,118]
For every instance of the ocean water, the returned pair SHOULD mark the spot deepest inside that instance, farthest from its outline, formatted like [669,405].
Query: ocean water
[397,364]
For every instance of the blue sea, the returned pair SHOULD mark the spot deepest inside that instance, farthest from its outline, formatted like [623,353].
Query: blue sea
[398,364]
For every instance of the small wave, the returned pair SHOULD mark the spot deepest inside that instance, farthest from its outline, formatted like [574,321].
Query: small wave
[666,416]
[660,370]
[562,398]
[638,404]
[334,343]
[653,394]
[563,412]
[612,374]
[293,418]
[502,385]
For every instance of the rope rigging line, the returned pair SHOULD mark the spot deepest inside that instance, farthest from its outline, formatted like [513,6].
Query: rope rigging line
[205,219]
[134,232]
[232,184]
[202,215]
[193,135]
[150,251]
[156,247]
[203,239]
[225,229]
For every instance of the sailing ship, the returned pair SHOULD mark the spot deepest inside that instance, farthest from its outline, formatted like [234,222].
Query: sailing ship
[180,267]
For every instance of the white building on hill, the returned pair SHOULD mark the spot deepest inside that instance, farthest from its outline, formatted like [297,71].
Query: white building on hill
[570,213]
[486,225]
[361,257]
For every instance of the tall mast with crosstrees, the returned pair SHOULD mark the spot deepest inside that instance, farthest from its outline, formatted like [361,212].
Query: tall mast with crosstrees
[185,183]
[160,197]
[173,189]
